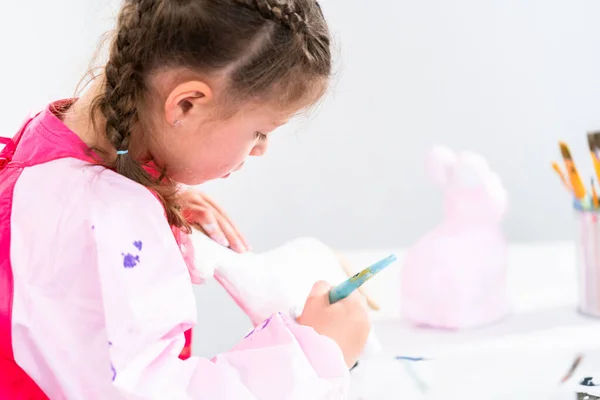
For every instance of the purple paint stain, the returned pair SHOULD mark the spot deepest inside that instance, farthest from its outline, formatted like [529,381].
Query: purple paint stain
[114,372]
[264,325]
[112,367]
[138,244]
[130,261]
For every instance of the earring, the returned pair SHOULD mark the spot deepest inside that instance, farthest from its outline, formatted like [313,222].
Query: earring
[176,122]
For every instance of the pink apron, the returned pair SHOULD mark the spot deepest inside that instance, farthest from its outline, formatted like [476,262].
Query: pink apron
[15,384]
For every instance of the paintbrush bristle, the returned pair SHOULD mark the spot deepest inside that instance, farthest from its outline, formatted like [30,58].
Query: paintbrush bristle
[556,167]
[564,149]
[572,369]
[594,140]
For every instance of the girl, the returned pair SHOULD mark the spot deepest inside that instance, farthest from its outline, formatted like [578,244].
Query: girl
[95,295]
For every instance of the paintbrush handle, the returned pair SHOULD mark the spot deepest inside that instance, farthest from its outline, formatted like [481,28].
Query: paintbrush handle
[596,163]
[576,182]
[574,178]
[344,289]
[560,174]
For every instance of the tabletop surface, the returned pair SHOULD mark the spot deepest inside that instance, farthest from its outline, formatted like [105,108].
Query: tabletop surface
[527,352]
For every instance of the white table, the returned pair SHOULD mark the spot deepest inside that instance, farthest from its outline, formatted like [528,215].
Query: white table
[542,290]
[539,337]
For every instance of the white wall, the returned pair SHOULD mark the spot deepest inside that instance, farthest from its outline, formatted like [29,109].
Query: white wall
[45,49]
[497,77]
[507,78]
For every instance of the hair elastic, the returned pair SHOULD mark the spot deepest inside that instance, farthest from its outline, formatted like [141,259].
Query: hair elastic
[121,152]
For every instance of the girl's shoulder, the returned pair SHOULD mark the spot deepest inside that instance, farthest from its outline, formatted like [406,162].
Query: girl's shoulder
[76,190]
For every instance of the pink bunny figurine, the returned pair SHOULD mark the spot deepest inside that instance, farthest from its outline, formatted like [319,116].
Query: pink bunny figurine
[455,275]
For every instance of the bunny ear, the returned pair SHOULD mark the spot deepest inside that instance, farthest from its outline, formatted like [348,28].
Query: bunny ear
[440,162]
[476,161]
[472,169]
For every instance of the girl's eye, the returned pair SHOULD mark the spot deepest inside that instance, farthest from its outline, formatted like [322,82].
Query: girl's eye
[261,136]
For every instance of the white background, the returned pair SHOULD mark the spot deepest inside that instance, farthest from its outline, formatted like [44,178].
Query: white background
[505,78]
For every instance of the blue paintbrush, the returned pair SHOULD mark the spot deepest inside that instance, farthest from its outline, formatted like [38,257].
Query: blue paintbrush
[344,289]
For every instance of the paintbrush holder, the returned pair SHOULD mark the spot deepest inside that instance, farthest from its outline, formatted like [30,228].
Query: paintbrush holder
[587,246]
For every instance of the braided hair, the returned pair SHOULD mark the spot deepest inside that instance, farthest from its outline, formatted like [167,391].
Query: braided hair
[274,49]
[280,12]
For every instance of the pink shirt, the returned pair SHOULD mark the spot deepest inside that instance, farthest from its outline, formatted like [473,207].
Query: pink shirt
[96,295]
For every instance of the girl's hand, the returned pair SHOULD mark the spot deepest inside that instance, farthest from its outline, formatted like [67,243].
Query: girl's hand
[346,322]
[206,215]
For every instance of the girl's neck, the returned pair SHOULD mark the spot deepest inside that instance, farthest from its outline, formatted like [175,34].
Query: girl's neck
[78,119]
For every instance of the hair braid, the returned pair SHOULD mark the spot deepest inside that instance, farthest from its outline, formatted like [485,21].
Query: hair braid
[275,11]
[315,41]
[123,75]
[123,88]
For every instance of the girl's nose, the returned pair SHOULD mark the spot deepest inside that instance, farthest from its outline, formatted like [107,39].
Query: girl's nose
[260,149]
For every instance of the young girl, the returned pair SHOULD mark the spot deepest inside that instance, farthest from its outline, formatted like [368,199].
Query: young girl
[95,295]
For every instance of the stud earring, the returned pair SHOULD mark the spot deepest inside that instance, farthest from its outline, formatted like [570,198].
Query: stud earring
[176,122]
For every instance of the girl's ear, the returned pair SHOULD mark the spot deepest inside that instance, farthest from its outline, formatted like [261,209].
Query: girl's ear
[440,164]
[187,99]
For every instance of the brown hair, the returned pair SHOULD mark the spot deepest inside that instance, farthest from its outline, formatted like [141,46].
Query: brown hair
[276,50]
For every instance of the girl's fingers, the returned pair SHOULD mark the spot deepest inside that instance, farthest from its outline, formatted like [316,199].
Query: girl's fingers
[213,220]
[235,242]
[236,236]
[205,218]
